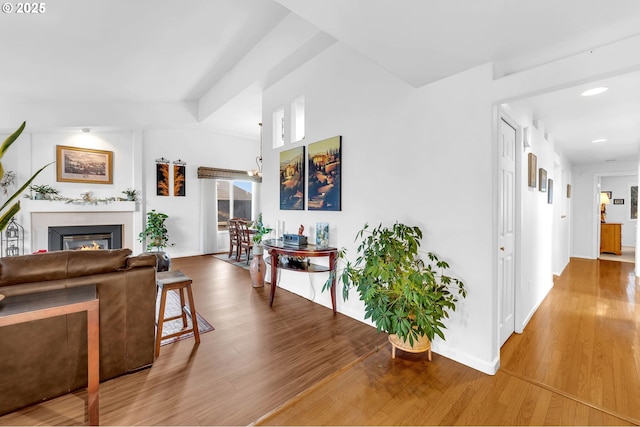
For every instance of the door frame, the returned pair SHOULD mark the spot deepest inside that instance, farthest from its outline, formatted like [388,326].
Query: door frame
[517,292]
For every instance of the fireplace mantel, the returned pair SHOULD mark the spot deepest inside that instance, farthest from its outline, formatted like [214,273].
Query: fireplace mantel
[39,215]
[59,206]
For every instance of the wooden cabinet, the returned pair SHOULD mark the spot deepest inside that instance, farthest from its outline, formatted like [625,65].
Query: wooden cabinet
[611,238]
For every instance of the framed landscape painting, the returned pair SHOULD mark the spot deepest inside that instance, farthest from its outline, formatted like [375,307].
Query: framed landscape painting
[84,165]
[292,179]
[324,185]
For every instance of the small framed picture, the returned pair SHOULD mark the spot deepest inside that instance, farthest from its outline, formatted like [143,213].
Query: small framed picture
[618,201]
[542,180]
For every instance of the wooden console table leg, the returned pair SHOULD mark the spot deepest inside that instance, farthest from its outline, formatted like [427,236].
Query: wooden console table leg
[332,265]
[93,364]
[274,275]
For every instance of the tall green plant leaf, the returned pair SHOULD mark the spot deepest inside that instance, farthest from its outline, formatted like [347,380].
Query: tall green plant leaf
[11,138]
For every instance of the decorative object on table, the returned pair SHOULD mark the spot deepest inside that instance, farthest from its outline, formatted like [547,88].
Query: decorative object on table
[179,179]
[8,209]
[132,195]
[618,201]
[84,165]
[605,199]
[44,192]
[258,267]
[533,169]
[407,297]
[292,165]
[324,184]
[279,229]
[13,239]
[322,234]
[155,235]
[162,177]
[542,180]
[301,229]
[550,192]
[294,240]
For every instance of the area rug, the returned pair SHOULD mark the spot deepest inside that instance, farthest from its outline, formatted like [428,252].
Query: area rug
[225,257]
[173,309]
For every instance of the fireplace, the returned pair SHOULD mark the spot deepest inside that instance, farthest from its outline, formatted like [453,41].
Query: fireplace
[85,237]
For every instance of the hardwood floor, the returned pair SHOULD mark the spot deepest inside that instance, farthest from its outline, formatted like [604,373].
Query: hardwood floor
[577,363]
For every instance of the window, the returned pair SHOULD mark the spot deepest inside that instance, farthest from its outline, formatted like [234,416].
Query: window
[278,127]
[234,201]
[297,119]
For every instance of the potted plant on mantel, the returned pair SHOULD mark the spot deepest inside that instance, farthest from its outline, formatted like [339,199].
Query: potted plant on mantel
[258,268]
[44,192]
[402,294]
[155,235]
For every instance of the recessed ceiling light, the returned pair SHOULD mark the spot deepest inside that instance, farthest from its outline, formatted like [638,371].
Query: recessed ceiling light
[594,91]
[595,141]
[86,130]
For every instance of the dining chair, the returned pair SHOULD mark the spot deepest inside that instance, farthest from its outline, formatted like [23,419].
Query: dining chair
[245,242]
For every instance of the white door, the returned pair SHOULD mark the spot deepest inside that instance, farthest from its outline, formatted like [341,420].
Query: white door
[506,230]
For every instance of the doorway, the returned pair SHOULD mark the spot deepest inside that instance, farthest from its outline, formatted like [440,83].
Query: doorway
[620,217]
[507,185]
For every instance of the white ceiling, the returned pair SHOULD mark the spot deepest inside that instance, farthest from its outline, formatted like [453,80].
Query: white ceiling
[220,54]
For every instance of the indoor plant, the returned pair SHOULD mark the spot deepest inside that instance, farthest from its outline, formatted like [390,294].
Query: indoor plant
[9,210]
[132,195]
[260,231]
[44,191]
[402,294]
[155,235]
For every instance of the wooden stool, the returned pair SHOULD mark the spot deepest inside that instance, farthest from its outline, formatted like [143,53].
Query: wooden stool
[176,280]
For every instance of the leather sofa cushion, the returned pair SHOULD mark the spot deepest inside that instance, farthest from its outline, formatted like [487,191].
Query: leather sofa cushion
[59,265]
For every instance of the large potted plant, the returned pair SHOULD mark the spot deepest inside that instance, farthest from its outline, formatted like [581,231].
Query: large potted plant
[258,268]
[10,207]
[155,236]
[403,294]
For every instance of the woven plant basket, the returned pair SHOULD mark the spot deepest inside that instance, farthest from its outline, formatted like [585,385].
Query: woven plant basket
[420,345]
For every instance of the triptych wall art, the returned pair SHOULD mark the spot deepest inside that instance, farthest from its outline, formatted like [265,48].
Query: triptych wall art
[162,178]
[323,190]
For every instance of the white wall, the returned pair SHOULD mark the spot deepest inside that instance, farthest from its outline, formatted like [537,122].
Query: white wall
[134,154]
[619,186]
[428,157]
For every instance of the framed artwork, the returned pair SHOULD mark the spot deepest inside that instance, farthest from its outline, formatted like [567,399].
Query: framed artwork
[550,192]
[618,201]
[162,177]
[179,180]
[292,168]
[325,167]
[633,202]
[568,191]
[542,178]
[533,168]
[84,165]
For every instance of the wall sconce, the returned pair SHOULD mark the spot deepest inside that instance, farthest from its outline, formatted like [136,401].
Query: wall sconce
[526,137]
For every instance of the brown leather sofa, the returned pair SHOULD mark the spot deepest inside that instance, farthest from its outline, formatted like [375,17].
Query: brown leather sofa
[46,358]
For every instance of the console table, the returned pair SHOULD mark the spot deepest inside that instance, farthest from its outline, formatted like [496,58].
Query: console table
[59,302]
[275,248]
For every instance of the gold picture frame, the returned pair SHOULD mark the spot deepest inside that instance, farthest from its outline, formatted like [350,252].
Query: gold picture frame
[74,164]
